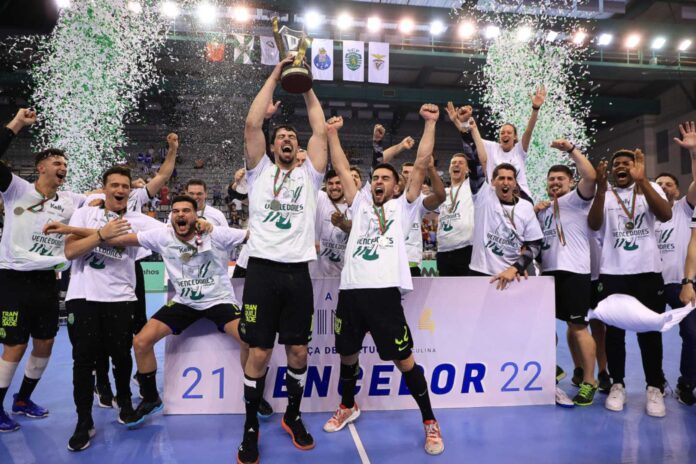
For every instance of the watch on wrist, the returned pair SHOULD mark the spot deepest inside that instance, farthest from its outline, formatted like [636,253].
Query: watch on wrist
[686,281]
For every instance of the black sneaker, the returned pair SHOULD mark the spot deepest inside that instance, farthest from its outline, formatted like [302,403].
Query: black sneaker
[560,374]
[604,382]
[301,438]
[578,375]
[144,409]
[685,394]
[265,410]
[248,451]
[83,433]
[127,415]
[105,397]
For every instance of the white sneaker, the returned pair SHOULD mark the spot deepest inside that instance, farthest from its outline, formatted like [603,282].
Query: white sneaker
[562,399]
[342,417]
[617,398]
[655,405]
[433,438]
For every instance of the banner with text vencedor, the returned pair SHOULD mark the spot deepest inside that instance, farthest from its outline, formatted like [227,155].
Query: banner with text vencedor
[478,347]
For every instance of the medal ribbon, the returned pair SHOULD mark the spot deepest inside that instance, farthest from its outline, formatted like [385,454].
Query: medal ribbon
[38,207]
[381,219]
[453,200]
[623,207]
[276,189]
[511,215]
[557,221]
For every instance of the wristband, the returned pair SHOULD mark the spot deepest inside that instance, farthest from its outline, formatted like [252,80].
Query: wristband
[536,108]
[572,149]
[101,239]
[686,281]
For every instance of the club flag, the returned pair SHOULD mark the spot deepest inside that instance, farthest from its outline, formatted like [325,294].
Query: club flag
[378,63]
[215,51]
[243,47]
[269,51]
[353,59]
[322,59]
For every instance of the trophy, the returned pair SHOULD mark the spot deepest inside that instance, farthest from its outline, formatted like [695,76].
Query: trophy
[296,77]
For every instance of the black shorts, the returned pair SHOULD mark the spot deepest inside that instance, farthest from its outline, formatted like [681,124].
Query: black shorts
[29,306]
[594,293]
[572,295]
[178,316]
[454,262]
[374,310]
[648,288]
[278,298]
[140,311]
[239,272]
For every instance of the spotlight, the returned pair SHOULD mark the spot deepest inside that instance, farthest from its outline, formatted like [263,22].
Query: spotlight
[437,27]
[313,19]
[491,32]
[170,10]
[579,37]
[374,24]
[658,43]
[241,14]
[604,40]
[406,26]
[466,30]
[207,13]
[135,7]
[344,21]
[632,41]
[551,36]
[63,3]
[524,33]
[684,45]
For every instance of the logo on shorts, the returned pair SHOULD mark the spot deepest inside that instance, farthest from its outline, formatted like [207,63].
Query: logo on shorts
[10,318]
[3,334]
[402,344]
[71,318]
[600,287]
[337,325]
[250,313]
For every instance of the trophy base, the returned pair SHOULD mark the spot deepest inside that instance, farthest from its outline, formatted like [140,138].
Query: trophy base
[296,79]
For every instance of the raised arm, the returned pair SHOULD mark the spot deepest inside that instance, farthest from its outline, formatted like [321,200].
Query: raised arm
[658,205]
[167,168]
[24,118]
[76,246]
[390,153]
[430,113]
[338,158]
[254,140]
[480,146]
[437,195]
[316,147]
[595,217]
[588,176]
[537,100]
[688,142]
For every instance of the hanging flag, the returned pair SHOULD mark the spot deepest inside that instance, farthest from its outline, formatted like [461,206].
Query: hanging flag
[243,46]
[215,51]
[269,51]
[378,62]
[322,59]
[353,59]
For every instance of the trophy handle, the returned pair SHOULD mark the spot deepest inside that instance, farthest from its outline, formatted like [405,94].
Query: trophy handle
[302,51]
[278,40]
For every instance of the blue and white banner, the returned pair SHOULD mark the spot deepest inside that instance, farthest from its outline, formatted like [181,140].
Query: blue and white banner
[322,59]
[478,347]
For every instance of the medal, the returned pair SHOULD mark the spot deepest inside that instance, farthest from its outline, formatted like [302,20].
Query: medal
[382,241]
[18,211]
[186,257]
[629,225]
[453,200]
[275,205]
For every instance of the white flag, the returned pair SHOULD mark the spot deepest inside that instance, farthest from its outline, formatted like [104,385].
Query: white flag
[243,46]
[269,51]
[353,59]
[378,62]
[322,59]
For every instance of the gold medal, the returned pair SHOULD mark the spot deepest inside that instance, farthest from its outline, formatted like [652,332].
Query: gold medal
[18,211]
[630,225]
[186,257]
[275,205]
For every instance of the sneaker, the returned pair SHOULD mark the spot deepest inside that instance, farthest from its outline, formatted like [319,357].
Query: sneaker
[617,398]
[84,432]
[301,438]
[433,438]
[28,408]
[578,375]
[562,399]
[585,395]
[685,394]
[604,382]
[104,395]
[144,409]
[560,374]
[655,405]
[127,415]
[342,417]
[248,451]
[7,424]
[265,410]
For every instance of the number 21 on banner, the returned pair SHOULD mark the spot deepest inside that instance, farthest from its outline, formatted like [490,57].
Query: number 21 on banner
[197,375]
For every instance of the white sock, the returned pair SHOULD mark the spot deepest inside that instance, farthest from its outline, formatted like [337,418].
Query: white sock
[35,367]
[7,371]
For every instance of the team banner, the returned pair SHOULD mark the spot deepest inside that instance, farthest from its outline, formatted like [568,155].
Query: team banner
[353,59]
[322,59]
[243,47]
[269,51]
[478,347]
[378,62]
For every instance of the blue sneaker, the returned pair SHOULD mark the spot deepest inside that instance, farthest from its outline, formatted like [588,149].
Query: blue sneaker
[7,424]
[28,408]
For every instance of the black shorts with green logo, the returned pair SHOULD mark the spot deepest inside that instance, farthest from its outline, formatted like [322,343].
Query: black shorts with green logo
[374,310]
[29,306]
[278,298]
[178,317]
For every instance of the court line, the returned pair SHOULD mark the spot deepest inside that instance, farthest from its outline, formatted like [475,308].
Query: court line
[358,444]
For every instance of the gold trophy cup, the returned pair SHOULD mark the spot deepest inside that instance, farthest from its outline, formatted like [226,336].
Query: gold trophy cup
[296,77]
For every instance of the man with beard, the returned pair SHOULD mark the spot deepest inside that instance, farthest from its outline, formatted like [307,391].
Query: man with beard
[278,296]
[565,255]
[332,228]
[376,274]
[101,299]
[28,258]
[631,265]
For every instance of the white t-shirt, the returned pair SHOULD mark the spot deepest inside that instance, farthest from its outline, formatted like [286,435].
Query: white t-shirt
[286,235]
[370,264]
[137,198]
[214,216]
[414,241]
[575,255]
[517,157]
[106,273]
[332,240]
[202,281]
[24,247]
[673,241]
[455,227]
[497,243]
[628,252]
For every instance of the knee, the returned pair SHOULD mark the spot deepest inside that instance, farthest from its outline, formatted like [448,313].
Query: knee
[405,365]
[14,353]
[297,356]
[42,348]
[141,344]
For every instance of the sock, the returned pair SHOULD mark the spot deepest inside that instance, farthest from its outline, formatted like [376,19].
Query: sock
[148,385]
[418,386]
[253,392]
[32,373]
[295,381]
[7,370]
[348,379]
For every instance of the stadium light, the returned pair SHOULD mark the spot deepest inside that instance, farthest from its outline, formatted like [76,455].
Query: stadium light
[241,14]
[605,39]
[406,26]
[684,45]
[466,30]
[374,24]
[437,27]
[524,33]
[658,43]
[313,19]
[344,21]
[170,9]
[491,32]
[579,37]
[632,41]
[207,13]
